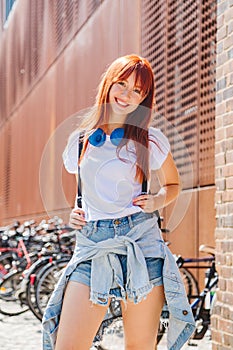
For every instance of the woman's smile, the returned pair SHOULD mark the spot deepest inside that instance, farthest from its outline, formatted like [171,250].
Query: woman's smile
[121,102]
[124,97]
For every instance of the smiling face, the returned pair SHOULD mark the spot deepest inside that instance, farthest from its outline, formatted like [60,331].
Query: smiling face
[124,97]
[127,83]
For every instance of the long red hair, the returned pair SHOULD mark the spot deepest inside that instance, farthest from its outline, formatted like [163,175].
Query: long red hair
[137,123]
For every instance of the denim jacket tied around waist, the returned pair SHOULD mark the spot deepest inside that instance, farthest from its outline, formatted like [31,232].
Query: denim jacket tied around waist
[105,263]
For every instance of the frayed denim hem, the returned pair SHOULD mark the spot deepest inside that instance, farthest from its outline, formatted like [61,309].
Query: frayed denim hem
[138,295]
[103,299]
[132,295]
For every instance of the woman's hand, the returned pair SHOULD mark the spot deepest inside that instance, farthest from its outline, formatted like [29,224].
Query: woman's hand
[148,202]
[77,219]
[170,186]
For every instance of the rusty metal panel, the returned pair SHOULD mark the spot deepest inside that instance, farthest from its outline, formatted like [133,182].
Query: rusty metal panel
[52,71]
[3,83]
[44,29]
[179,40]
[5,171]
[154,45]
[207,93]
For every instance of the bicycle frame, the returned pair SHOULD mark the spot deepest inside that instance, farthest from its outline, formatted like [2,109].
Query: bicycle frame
[212,281]
[20,250]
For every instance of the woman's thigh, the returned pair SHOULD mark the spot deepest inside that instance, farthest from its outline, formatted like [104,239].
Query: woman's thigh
[141,320]
[80,319]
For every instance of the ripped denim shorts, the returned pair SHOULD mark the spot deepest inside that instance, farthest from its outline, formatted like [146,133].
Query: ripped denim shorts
[109,228]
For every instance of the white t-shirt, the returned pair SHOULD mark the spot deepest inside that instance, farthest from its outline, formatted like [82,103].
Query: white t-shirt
[108,183]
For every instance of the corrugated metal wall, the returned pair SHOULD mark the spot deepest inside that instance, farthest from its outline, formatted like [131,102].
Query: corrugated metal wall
[50,70]
[179,38]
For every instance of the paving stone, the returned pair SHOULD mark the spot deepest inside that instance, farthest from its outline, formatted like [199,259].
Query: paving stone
[23,332]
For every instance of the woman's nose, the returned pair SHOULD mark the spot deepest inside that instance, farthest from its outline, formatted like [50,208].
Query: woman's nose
[126,92]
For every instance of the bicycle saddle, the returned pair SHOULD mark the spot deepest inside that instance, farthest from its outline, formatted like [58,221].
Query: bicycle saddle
[207,249]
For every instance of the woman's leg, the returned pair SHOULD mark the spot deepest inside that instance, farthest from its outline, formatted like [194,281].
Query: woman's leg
[141,321]
[80,319]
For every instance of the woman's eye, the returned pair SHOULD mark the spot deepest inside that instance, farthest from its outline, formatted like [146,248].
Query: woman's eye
[121,83]
[137,91]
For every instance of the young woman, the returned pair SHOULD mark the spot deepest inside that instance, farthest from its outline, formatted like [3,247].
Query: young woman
[119,250]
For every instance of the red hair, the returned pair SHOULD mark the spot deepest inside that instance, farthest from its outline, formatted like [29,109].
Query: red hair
[137,123]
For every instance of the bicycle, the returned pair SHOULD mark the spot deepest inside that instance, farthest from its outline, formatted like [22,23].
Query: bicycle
[17,288]
[203,301]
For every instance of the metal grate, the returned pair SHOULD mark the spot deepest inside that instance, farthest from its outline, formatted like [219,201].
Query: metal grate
[5,169]
[44,28]
[179,40]
[207,93]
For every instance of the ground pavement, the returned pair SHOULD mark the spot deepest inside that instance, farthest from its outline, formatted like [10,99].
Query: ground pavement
[24,333]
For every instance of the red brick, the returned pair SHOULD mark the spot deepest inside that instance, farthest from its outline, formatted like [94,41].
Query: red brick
[229,182]
[220,146]
[220,184]
[220,159]
[229,144]
[229,156]
[226,325]
[228,299]
[228,260]
[229,107]
[227,196]
[219,121]
[219,72]
[219,234]
[229,234]
[229,208]
[221,108]
[222,33]
[227,170]
[222,282]
[229,130]
[228,221]
[216,336]
[228,15]
[221,20]
[229,285]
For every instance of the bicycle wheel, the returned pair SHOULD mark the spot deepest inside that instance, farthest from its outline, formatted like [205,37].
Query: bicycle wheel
[10,302]
[202,324]
[31,285]
[47,279]
[112,326]
[5,264]
[190,283]
[115,307]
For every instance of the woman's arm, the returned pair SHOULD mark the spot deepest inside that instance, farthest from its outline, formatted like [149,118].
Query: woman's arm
[170,186]
[77,215]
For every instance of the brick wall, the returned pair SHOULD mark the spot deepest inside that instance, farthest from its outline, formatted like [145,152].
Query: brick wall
[222,319]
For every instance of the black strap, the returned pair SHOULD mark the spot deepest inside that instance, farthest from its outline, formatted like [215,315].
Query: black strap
[144,186]
[79,198]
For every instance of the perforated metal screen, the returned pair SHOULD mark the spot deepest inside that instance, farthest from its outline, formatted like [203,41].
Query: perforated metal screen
[37,34]
[37,69]
[178,37]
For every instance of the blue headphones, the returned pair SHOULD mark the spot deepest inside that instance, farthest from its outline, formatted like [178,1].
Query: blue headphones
[98,137]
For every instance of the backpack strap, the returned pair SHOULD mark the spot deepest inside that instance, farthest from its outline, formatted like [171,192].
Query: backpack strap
[79,197]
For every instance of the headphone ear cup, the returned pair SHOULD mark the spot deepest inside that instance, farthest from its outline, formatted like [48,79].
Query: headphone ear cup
[97,138]
[116,136]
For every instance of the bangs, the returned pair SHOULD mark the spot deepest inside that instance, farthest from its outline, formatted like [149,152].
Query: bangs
[143,76]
